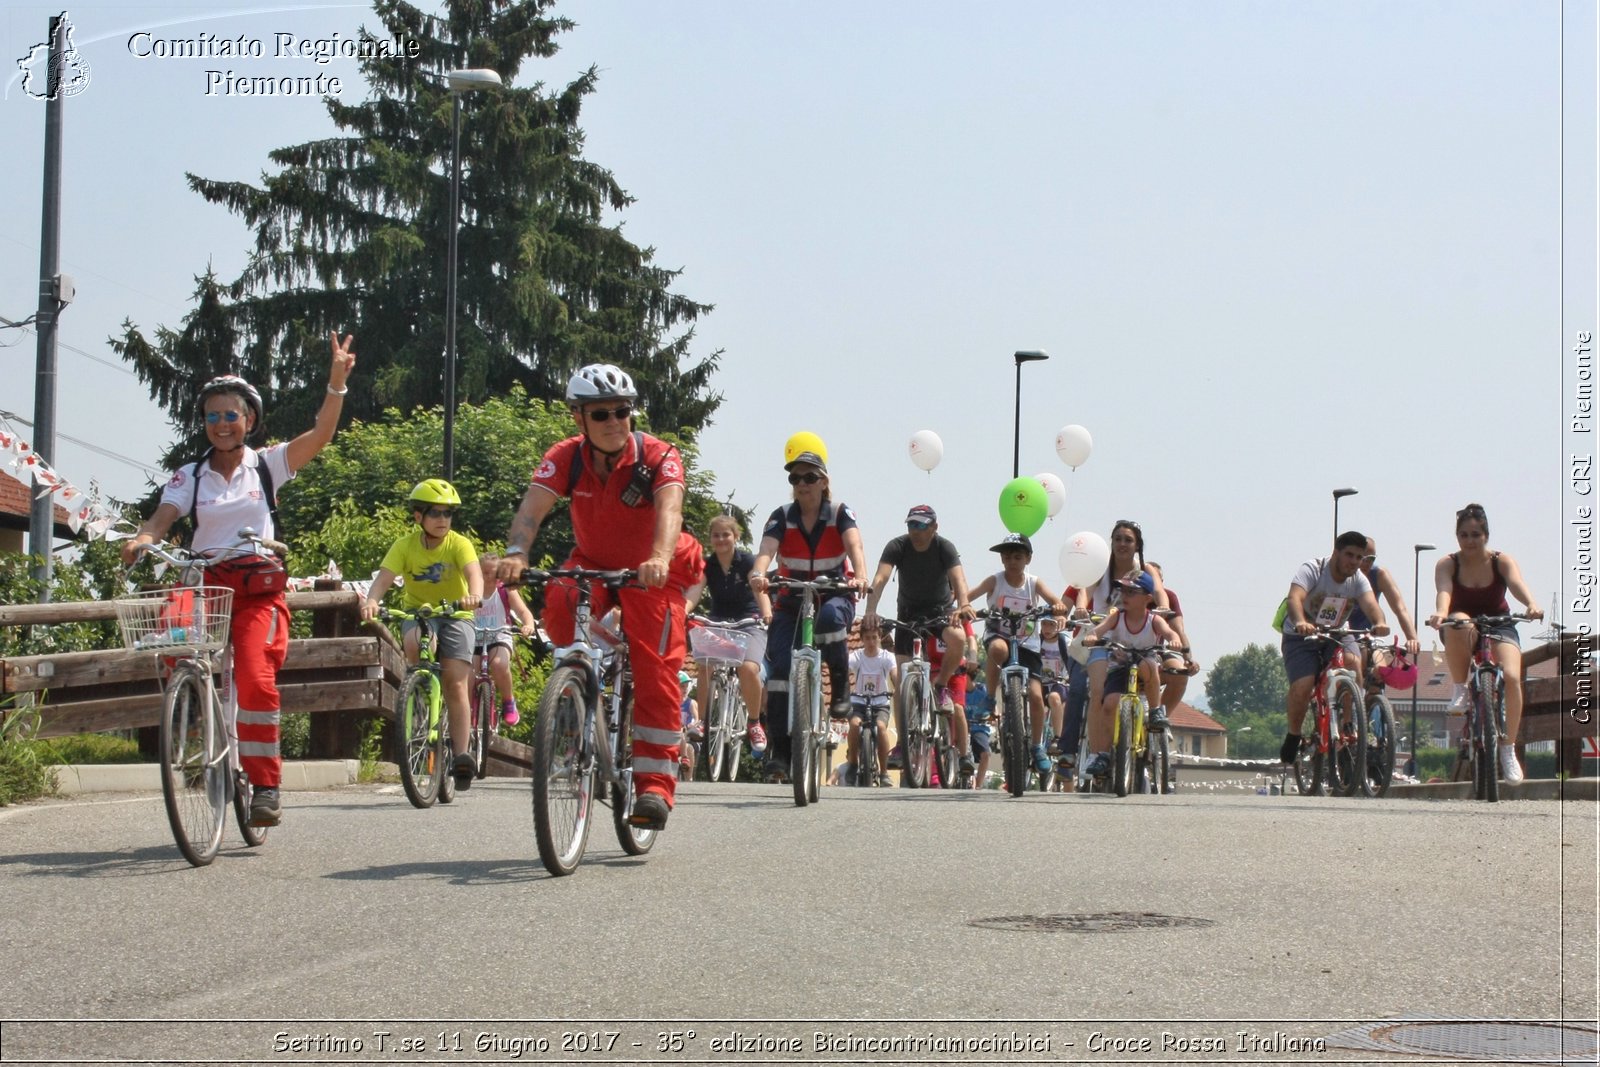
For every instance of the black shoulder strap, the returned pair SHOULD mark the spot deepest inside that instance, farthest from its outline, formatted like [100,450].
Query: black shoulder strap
[641,486]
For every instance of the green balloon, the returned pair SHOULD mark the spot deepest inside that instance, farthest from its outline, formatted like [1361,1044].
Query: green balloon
[1024,506]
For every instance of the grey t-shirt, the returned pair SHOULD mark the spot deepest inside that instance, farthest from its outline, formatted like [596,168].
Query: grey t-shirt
[1328,603]
[924,587]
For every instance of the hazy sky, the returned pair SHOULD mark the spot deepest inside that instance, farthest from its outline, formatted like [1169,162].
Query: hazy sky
[1271,248]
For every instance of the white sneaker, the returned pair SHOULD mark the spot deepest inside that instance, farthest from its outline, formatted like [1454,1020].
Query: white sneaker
[1458,701]
[1510,769]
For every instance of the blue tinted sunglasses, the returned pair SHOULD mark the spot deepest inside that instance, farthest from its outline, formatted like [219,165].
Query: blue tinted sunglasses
[213,417]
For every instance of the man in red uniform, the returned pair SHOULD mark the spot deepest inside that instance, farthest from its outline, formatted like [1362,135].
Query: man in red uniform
[627,511]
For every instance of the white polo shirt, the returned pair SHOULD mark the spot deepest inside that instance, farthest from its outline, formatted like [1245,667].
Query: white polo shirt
[227,505]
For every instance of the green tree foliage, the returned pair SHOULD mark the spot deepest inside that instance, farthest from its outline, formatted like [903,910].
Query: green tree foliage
[351,504]
[1250,680]
[351,234]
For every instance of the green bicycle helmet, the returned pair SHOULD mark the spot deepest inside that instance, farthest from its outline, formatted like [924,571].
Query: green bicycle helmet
[436,491]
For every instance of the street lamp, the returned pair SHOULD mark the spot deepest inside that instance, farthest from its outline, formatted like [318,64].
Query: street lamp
[1242,730]
[460,81]
[1337,493]
[1416,606]
[1030,356]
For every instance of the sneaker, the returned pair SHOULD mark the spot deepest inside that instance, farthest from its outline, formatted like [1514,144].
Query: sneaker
[508,713]
[697,730]
[1459,701]
[883,780]
[464,770]
[1041,762]
[1510,769]
[968,764]
[649,812]
[947,703]
[1054,747]
[777,773]
[1289,751]
[1099,766]
[839,707]
[757,738]
[897,758]
[265,809]
[1158,718]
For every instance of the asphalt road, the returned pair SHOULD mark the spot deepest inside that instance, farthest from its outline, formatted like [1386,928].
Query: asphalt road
[1048,928]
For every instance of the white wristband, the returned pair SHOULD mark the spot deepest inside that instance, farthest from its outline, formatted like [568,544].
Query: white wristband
[338,392]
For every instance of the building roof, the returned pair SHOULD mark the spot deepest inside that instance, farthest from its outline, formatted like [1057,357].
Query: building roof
[1186,717]
[16,503]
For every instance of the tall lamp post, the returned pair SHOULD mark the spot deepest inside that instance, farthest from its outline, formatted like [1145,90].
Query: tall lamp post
[1416,591]
[460,81]
[1030,356]
[1337,493]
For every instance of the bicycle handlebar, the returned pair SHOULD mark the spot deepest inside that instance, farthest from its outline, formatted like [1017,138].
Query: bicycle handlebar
[821,584]
[737,624]
[178,556]
[1485,620]
[582,575]
[443,609]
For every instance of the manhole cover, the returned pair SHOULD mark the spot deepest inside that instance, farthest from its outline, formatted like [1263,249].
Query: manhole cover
[1098,923]
[1504,1041]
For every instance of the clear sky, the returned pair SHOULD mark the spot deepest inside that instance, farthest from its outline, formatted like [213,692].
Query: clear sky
[1271,249]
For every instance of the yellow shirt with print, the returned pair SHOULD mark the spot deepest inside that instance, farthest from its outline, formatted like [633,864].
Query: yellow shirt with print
[431,574]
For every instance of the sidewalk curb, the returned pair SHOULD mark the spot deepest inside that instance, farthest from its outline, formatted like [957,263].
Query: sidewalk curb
[298,775]
[1528,789]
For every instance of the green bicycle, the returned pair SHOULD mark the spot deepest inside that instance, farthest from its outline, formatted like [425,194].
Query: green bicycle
[420,719]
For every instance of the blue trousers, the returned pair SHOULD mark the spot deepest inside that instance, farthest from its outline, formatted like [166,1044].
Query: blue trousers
[830,627]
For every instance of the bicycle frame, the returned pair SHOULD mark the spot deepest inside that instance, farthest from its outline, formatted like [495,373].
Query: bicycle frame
[1487,718]
[924,739]
[1329,740]
[806,730]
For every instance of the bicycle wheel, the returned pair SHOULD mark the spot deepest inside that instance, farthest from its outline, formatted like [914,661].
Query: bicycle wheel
[1014,736]
[482,726]
[915,744]
[1488,708]
[1161,760]
[737,718]
[866,765]
[1347,763]
[802,686]
[714,747]
[563,771]
[949,762]
[419,755]
[1122,745]
[1380,747]
[635,840]
[254,836]
[444,757]
[194,765]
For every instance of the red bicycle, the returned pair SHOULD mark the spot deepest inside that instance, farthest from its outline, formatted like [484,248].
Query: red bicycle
[1333,760]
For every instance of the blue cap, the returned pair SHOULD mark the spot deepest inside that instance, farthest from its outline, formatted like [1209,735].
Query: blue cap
[1141,581]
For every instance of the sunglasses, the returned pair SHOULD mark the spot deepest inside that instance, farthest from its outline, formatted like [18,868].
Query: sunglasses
[607,414]
[918,525]
[214,417]
[808,478]
[1129,523]
[439,513]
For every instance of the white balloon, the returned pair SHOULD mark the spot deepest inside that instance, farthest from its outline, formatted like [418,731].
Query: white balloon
[1073,445]
[926,449]
[1084,559]
[1055,492]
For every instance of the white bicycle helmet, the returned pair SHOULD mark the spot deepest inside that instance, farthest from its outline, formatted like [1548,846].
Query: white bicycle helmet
[230,383]
[600,381]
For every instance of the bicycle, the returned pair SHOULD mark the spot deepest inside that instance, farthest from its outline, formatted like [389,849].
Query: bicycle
[186,625]
[1141,762]
[924,730]
[1015,720]
[1486,690]
[421,721]
[1338,745]
[1381,739]
[725,717]
[808,732]
[485,706]
[583,736]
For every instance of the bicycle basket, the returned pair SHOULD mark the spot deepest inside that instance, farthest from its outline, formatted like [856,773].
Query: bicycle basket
[178,617]
[719,643]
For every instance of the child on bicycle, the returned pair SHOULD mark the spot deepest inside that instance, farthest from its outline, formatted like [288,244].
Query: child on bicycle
[1014,590]
[438,564]
[1135,625]
[980,713]
[873,676]
[497,611]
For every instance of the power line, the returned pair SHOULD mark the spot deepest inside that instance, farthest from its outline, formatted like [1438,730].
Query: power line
[12,416]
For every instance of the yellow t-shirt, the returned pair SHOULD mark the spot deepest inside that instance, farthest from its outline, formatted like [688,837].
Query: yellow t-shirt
[431,574]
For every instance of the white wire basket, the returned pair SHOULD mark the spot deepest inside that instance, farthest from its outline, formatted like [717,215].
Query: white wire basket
[718,643]
[180,617]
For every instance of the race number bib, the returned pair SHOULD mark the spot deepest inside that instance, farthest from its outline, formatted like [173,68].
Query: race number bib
[1332,611]
[1024,629]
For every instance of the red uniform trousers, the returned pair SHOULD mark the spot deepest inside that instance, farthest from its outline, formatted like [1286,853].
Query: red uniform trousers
[653,622]
[260,639]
